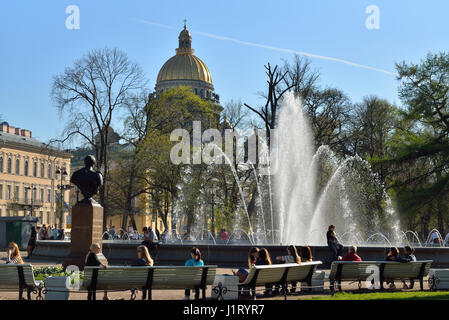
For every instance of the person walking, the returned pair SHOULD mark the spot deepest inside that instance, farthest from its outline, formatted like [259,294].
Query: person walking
[31,242]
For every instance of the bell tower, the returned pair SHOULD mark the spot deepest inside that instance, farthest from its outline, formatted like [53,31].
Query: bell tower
[185,41]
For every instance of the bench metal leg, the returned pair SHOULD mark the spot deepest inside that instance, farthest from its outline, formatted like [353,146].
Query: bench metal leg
[421,284]
[29,290]
[92,295]
[20,293]
[197,293]
[253,293]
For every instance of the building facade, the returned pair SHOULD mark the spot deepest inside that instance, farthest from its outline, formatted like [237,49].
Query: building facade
[30,175]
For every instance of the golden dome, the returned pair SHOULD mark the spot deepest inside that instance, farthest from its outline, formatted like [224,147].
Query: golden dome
[184,66]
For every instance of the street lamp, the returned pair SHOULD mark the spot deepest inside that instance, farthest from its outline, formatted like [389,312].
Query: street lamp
[61,173]
[33,189]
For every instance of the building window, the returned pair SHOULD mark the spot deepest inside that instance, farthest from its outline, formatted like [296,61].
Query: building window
[1,164]
[16,192]
[8,193]
[41,195]
[34,169]
[25,194]
[1,191]
[48,195]
[49,171]
[17,166]
[25,168]
[48,217]
[9,165]
[34,193]
[42,170]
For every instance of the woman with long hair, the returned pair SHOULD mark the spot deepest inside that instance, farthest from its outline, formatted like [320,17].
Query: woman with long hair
[291,257]
[143,257]
[264,258]
[253,256]
[306,254]
[195,261]
[14,256]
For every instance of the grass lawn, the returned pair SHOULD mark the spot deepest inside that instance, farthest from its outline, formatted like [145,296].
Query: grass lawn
[415,295]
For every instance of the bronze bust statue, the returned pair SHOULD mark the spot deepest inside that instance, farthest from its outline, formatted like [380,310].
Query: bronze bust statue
[87,180]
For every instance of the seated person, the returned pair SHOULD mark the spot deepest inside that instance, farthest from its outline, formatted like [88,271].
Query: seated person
[195,261]
[292,256]
[408,256]
[352,255]
[14,256]
[265,260]
[392,255]
[93,261]
[143,257]
[242,273]
[305,254]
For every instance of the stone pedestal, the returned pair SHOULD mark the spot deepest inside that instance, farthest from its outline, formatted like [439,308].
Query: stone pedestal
[87,228]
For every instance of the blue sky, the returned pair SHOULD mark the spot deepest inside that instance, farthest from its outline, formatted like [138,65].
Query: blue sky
[35,45]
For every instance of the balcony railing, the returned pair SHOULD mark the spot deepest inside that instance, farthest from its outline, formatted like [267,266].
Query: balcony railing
[26,202]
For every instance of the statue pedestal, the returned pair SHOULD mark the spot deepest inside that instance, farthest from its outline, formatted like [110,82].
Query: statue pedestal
[87,228]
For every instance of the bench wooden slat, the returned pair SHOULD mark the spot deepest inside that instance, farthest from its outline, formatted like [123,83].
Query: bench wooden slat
[123,278]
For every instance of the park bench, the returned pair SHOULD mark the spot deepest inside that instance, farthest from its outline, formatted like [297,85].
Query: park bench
[387,271]
[20,277]
[147,279]
[279,274]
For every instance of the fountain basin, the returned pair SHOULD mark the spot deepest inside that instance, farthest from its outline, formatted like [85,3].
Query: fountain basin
[119,252]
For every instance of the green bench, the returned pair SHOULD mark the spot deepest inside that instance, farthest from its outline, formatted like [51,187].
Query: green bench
[388,271]
[279,274]
[20,277]
[147,279]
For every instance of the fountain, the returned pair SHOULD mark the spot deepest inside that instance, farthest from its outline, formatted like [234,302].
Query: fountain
[302,192]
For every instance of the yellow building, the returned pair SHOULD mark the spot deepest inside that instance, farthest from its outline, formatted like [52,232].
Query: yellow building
[30,175]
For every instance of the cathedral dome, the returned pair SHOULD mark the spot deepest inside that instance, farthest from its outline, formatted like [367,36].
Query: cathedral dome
[184,66]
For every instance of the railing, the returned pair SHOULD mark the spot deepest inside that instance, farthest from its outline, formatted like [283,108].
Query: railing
[26,202]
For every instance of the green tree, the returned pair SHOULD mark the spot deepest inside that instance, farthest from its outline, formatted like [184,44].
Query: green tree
[421,143]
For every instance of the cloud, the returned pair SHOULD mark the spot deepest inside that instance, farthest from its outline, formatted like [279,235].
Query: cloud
[268,47]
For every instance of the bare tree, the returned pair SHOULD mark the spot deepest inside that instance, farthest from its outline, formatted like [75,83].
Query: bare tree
[89,94]
[297,77]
